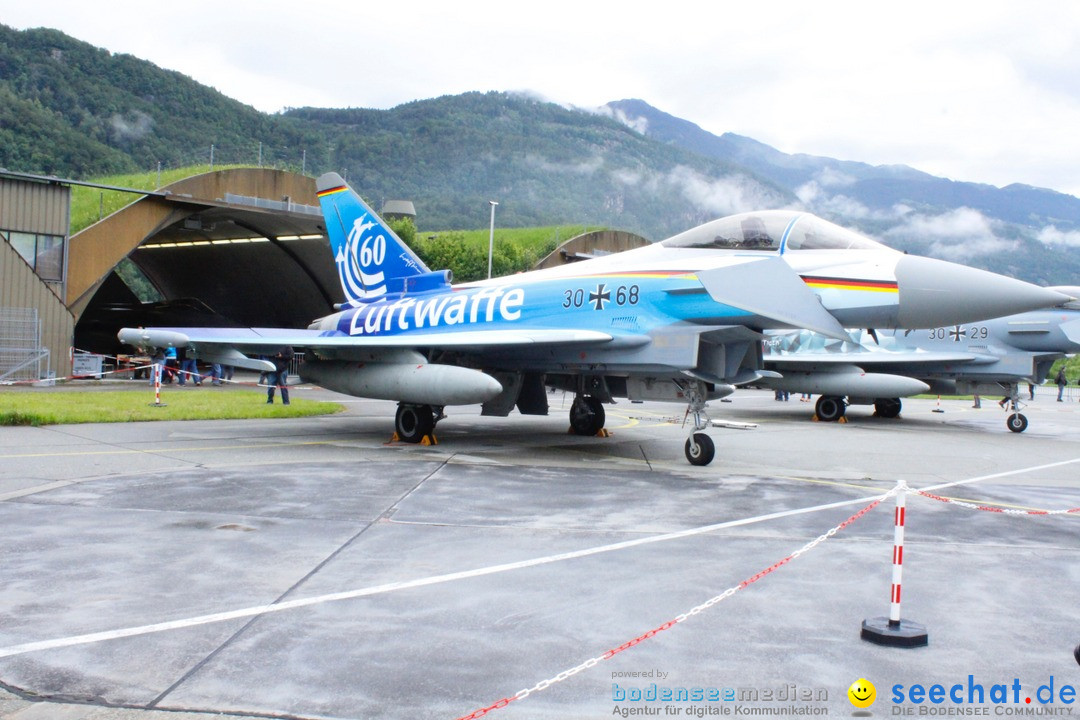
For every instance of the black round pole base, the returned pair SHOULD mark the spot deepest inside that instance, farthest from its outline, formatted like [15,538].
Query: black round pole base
[882,631]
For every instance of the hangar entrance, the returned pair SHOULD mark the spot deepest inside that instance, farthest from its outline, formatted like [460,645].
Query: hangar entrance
[234,248]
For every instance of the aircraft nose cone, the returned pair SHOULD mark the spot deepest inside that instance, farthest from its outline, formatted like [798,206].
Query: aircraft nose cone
[934,293]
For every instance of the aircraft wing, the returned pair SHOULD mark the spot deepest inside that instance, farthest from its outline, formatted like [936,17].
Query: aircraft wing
[876,360]
[229,345]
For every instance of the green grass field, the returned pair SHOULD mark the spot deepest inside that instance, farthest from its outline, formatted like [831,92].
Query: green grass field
[540,240]
[62,407]
[88,205]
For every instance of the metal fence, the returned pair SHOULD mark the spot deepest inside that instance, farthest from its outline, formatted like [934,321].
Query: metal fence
[21,353]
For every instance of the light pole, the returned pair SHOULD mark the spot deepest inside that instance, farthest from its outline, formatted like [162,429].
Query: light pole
[491,237]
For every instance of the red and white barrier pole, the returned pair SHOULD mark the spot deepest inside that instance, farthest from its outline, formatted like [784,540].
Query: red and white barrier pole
[897,557]
[157,386]
[892,630]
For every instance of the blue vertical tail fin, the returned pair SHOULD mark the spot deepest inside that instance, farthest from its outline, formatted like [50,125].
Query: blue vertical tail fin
[372,261]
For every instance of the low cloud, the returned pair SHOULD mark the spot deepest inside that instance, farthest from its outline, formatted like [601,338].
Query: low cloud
[627,177]
[1050,235]
[831,177]
[959,235]
[639,124]
[585,167]
[134,126]
[816,199]
[725,195]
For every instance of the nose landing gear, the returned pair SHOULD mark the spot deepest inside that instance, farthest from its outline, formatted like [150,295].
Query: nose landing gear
[699,448]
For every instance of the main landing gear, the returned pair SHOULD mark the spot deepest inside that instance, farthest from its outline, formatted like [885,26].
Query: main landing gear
[888,407]
[587,416]
[699,448]
[830,408]
[414,423]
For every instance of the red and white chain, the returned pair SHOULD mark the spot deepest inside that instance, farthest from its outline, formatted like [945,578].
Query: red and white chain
[987,508]
[593,662]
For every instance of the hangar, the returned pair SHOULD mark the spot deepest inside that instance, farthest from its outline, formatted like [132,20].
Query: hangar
[592,244]
[239,247]
[229,247]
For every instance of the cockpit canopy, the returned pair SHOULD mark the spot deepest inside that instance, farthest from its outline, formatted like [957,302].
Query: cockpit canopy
[772,230]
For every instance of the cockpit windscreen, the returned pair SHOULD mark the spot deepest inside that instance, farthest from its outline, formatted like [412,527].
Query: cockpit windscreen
[772,230]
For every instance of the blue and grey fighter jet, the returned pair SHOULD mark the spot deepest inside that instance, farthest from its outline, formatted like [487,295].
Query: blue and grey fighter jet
[678,321]
[988,358]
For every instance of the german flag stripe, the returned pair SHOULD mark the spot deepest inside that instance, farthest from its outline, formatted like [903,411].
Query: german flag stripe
[647,274]
[888,286]
[331,191]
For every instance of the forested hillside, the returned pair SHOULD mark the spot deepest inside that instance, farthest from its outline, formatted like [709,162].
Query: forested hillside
[70,109]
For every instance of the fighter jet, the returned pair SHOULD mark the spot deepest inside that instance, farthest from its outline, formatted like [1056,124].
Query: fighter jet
[989,358]
[678,321]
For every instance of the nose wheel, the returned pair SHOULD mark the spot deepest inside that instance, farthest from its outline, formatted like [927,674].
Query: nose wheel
[699,448]
[1016,421]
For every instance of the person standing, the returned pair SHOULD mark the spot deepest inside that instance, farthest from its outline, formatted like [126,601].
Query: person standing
[188,368]
[1061,382]
[172,366]
[280,377]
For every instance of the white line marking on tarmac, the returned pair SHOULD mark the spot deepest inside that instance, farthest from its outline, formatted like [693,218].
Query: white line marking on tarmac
[467,574]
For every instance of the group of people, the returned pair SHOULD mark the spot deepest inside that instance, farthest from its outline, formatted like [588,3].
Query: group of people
[176,365]
[1060,380]
[785,396]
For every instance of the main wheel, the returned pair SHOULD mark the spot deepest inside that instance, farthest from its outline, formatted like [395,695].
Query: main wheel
[587,416]
[830,408]
[700,449]
[887,407]
[413,422]
[1017,423]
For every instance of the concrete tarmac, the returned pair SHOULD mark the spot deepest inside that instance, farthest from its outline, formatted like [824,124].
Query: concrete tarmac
[308,569]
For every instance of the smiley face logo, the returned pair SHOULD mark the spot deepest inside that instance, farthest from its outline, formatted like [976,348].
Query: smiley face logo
[862,693]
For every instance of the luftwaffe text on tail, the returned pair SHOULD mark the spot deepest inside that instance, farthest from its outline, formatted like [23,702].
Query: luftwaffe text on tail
[678,321]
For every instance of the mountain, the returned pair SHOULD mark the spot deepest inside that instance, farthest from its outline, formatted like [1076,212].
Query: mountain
[1017,230]
[71,109]
[542,162]
[876,187]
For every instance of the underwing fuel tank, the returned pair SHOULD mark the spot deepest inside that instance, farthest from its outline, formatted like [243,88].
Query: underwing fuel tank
[851,381]
[412,383]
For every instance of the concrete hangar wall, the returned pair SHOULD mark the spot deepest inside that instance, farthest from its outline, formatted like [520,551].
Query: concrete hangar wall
[232,247]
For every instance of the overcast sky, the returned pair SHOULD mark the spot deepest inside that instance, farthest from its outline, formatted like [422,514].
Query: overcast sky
[983,91]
